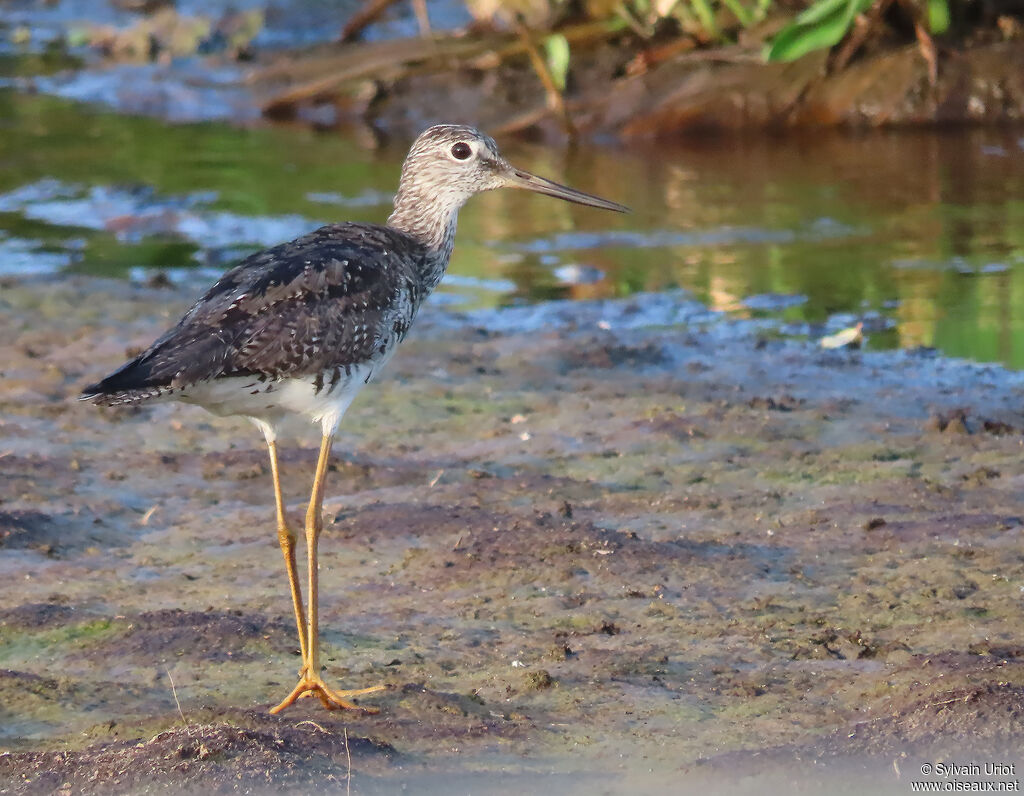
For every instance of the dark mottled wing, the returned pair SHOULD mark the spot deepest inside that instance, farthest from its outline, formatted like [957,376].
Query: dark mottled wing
[331,299]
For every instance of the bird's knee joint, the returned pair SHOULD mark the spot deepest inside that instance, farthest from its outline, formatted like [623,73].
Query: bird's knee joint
[286,536]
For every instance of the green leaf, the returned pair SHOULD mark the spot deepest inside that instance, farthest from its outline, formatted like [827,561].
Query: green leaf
[702,8]
[742,14]
[615,24]
[794,41]
[557,48]
[819,10]
[938,16]
[823,25]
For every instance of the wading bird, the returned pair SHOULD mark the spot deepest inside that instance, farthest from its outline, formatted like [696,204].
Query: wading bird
[300,328]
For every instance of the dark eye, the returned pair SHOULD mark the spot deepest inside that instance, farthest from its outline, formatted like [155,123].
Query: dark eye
[461,150]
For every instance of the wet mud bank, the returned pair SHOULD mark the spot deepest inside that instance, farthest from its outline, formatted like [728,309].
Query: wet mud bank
[579,549]
[618,85]
[624,90]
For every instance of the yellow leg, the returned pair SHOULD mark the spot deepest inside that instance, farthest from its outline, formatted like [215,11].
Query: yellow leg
[286,536]
[310,681]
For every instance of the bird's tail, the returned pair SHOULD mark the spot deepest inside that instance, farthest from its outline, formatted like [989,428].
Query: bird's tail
[131,383]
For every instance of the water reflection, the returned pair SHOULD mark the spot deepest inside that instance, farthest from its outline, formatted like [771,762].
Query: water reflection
[925,229]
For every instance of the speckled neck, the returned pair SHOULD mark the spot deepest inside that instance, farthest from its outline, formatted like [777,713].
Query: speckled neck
[429,216]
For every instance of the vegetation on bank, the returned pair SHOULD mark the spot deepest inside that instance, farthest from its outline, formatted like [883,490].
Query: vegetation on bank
[785,29]
[564,59]
[814,25]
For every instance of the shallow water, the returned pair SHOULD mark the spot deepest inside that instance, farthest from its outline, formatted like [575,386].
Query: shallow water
[919,235]
[287,23]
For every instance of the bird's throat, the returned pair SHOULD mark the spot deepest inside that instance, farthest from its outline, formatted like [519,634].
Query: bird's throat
[431,222]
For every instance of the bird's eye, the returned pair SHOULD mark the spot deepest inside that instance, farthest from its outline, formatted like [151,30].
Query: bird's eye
[461,150]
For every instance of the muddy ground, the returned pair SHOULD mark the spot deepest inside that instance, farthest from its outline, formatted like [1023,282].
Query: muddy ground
[585,559]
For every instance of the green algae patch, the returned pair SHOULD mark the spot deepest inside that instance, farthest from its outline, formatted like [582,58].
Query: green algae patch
[23,645]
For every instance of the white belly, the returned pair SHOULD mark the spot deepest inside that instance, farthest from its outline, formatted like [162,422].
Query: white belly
[267,402]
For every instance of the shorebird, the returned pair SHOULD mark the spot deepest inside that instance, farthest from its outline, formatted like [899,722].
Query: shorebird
[301,328]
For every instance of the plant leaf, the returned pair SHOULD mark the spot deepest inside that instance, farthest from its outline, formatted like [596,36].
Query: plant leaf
[702,8]
[827,26]
[818,11]
[556,46]
[938,16]
[742,14]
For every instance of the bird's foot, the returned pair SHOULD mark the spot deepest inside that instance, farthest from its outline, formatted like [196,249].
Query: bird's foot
[332,700]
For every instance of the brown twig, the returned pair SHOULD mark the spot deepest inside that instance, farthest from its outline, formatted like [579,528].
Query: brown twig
[313,724]
[926,45]
[556,102]
[174,693]
[419,7]
[348,767]
[864,24]
[647,59]
[323,76]
[737,54]
[639,28]
[867,23]
[368,13]
[924,39]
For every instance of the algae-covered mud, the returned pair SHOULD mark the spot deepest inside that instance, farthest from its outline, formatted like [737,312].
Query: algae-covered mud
[584,553]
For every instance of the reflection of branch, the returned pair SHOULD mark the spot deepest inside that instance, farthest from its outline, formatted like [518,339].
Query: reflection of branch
[556,102]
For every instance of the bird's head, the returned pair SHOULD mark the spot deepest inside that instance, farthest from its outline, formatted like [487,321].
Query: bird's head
[451,162]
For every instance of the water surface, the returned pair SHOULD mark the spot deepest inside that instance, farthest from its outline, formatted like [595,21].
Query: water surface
[921,235]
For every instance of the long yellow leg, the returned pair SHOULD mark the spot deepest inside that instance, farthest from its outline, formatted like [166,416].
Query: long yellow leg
[310,681]
[314,525]
[286,536]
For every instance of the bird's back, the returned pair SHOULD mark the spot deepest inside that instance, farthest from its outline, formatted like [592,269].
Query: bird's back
[315,309]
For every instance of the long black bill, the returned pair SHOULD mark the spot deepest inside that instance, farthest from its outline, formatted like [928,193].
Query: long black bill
[517,178]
